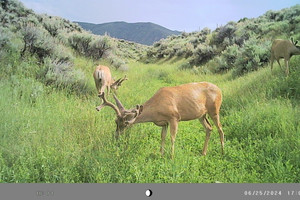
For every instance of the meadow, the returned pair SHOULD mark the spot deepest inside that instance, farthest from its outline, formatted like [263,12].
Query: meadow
[50,131]
[56,136]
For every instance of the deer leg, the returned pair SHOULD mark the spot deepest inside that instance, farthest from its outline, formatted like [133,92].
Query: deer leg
[272,61]
[279,65]
[173,131]
[97,83]
[216,120]
[163,138]
[208,129]
[287,67]
[108,89]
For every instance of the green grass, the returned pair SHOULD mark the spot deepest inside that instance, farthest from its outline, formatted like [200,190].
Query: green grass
[49,135]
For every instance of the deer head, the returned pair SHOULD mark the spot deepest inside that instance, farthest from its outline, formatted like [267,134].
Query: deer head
[125,117]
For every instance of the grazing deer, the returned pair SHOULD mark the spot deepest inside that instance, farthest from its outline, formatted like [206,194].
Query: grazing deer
[170,105]
[284,49]
[103,79]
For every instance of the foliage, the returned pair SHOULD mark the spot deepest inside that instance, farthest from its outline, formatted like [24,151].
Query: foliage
[251,56]
[63,75]
[241,46]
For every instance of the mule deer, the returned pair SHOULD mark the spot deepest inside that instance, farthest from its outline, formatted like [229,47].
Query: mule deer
[170,105]
[103,79]
[284,49]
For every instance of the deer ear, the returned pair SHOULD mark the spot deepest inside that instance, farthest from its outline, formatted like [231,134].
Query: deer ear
[141,108]
[296,42]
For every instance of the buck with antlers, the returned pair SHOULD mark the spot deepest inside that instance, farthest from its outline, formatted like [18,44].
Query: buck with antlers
[284,49]
[103,79]
[170,105]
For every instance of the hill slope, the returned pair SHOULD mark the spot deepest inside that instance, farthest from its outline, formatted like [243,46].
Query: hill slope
[143,33]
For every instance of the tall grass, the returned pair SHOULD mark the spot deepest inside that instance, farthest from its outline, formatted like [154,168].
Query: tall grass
[50,135]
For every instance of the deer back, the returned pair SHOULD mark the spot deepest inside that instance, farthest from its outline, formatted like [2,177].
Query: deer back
[184,102]
[283,49]
[102,74]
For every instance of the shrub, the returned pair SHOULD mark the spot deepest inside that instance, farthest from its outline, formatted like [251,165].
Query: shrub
[202,54]
[186,50]
[227,31]
[230,54]
[51,25]
[99,46]
[117,62]
[218,64]
[63,75]
[252,55]
[62,54]
[80,42]
[37,42]
[273,30]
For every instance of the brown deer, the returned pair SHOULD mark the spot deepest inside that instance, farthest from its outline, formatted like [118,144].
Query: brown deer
[103,79]
[284,49]
[170,105]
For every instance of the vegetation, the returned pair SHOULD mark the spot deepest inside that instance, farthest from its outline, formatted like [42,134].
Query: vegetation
[243,46]
[51,132]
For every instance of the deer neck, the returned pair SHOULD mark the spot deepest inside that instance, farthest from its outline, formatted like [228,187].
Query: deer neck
[146,115]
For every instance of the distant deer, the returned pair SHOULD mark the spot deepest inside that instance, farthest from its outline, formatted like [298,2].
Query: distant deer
[284,49]
[170,105]
[103,79]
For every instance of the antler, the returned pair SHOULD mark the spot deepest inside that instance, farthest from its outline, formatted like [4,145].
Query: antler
[107,103]
[119,82]
[293,41]
[119,104]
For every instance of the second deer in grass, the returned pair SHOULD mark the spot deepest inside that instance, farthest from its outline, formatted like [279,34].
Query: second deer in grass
[170,105]
[284,49]
[103,79]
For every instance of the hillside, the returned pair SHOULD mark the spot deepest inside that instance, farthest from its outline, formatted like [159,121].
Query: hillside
[232,46]
[143,33]
[50,131]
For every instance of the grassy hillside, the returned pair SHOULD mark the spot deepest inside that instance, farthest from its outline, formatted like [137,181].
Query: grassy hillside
[51,132]
[243,46]
[141,32]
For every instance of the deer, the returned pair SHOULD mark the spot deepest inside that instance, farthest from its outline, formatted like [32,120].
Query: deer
[284,49]
[103,79]
[170,105]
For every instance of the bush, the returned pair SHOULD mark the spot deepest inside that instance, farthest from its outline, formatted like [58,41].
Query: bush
[63,75]
[80,42]
[117,62]
[202,54]
[37,42]
[186,50]
[227,31]
[252,55]
[99,46]
[230,55]
[217,65]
